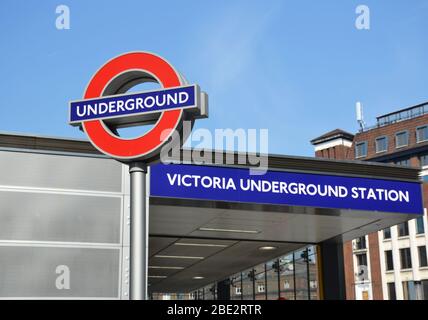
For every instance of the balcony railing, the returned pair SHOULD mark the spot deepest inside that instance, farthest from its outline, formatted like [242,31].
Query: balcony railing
[404,114]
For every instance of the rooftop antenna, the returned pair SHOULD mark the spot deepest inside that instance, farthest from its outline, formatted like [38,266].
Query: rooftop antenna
[360,118]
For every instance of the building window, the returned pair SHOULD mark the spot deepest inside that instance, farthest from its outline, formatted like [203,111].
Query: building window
[391,291]
[421,133]
[287,277]
[402,162]
[422,250]
[403,229]
[387,233]
[313,284]
[409,290]
[210,293]
[247,291]
[290,277]
[405,258]
[406,290]
[381,144]
[235,287]
[260,281]
[423,160]
[272,286]
[389,261]
[424,284]
[360,243]
[420,225]
[401,139]
[361,259]
[361,149]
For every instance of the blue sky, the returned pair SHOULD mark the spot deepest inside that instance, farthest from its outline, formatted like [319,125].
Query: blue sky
[294,67]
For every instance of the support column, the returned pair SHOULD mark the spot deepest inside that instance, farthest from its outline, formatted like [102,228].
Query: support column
[333,269]
[139,232]
[397,263]
[223,290]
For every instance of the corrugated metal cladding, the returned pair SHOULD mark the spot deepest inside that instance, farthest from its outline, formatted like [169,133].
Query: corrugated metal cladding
[61,226]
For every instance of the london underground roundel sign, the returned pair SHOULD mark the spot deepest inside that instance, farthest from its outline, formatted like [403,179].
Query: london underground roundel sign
[106,106]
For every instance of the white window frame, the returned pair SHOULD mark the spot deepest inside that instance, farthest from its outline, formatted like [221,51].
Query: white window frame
[356,147]
[379,138]
[421,127]
[407,140]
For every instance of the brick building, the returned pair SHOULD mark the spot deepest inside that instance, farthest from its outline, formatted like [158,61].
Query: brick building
[390,264]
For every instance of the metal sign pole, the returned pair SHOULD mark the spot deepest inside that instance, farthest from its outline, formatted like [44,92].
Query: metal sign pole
[112,79]
[139,232]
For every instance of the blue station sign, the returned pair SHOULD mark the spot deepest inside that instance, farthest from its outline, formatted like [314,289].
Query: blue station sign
[284,188]
[141,105]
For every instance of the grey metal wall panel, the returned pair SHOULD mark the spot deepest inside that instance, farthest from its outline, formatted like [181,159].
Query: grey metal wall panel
[32,272]
[56,171]
[59,217]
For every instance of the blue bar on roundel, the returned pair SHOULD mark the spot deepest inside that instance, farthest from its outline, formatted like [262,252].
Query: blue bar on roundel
[133,104]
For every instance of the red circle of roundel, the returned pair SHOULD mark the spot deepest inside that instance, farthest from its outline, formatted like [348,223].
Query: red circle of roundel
[115,146]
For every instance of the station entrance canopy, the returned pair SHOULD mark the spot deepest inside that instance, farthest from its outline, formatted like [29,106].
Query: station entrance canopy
[299,201]
[64,210]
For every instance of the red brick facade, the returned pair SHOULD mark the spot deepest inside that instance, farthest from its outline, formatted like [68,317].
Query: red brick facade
[349,270]
[337,150]
[389,131]
[376,273]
